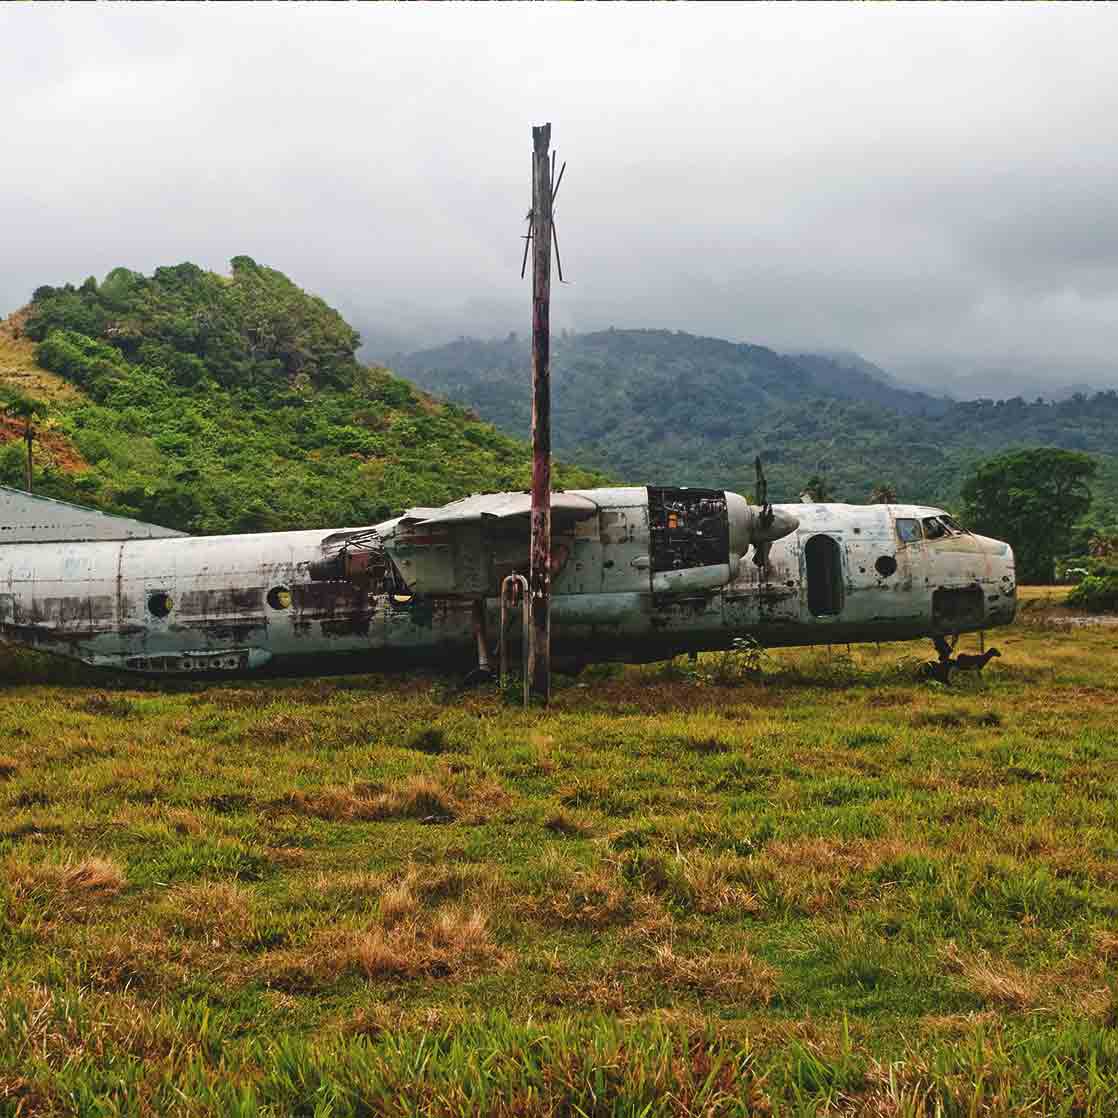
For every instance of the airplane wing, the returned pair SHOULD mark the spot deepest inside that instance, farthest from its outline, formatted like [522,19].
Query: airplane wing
[452,550]
[25,518]
[499,506]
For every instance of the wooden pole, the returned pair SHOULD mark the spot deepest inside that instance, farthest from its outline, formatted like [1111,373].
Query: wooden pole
[539,649]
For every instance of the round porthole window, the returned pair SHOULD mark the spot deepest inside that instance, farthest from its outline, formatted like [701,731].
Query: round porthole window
[885,566]
[279,597]
[159,603]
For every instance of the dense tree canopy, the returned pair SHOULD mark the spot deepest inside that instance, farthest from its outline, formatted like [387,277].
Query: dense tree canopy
[658,405]
[234,403]
[253,329]
[1032,499]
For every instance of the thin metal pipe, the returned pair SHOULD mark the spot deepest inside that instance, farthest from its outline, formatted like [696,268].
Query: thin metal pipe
[507,583]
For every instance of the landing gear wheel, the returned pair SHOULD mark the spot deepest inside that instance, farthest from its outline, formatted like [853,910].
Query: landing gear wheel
[940,670]
[479,677]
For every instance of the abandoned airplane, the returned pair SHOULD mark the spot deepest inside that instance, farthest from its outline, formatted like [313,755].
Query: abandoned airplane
[638,574]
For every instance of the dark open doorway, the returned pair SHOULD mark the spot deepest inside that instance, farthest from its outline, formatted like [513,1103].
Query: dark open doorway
[823,559]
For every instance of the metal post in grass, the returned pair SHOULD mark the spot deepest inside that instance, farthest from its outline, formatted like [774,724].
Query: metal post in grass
[539,572]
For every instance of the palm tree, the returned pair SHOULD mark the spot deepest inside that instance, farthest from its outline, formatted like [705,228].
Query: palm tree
[883,494]
[30,411]
[817,489]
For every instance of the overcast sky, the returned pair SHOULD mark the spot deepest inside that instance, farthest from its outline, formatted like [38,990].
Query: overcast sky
[932,186]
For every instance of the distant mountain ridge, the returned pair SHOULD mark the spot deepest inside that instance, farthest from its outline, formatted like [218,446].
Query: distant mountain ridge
[851,377]
[664,405]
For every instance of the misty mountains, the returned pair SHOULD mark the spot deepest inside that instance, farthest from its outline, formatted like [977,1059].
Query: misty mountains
[656,405]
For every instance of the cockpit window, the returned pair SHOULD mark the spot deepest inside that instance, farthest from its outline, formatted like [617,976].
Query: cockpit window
[937,527]
[908,531]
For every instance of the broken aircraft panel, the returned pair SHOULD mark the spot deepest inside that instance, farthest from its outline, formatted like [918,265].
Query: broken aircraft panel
[637,574]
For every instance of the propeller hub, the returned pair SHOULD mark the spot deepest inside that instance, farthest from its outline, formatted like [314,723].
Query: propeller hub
[774,524]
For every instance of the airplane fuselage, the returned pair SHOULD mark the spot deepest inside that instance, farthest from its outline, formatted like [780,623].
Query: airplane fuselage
[236,604]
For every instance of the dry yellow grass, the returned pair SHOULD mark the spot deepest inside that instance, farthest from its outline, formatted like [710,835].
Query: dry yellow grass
[735,975]
[91,876]
[416,797]
[18,368]
[398,902]
[375,955]
[452,942]
[222,913]
[100,875]
[1106,945]
[594,898]
[996,982]
[467,797]
[464,934]
[714,883]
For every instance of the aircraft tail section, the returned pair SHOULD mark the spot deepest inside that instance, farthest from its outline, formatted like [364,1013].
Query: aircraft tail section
[25,518]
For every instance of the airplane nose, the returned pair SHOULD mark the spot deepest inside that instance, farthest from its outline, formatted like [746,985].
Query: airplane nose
[1002,598]
[1001,554]
[1009,574]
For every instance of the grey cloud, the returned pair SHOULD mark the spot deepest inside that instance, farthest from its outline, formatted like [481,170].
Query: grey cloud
[928,185]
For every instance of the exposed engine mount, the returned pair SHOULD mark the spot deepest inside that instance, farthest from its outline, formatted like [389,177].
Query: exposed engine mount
[688,528]
[357,557]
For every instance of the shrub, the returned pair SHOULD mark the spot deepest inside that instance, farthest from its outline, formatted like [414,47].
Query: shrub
[1096,593]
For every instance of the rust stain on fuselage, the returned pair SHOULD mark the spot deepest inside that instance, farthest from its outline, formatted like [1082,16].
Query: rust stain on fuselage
[241,602]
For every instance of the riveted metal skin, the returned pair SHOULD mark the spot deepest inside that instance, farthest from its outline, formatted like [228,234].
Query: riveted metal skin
[624,587]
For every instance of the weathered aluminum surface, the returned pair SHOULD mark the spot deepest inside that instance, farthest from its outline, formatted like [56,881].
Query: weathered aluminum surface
[25,518]
[608,497]
[875,606]
[500,506]
[239,603]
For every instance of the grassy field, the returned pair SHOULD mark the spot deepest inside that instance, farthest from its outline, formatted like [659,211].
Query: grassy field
[681,890]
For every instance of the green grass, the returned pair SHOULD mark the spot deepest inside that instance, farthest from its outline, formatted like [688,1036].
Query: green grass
[678,891]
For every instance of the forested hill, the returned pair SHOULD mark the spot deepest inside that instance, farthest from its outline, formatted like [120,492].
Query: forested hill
[652,404]
[229,403]
[850,377]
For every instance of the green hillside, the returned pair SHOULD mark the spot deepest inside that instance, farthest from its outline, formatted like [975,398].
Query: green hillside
[652,404]
[231,403]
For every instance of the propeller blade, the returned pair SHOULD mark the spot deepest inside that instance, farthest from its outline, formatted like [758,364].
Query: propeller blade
[762,484]
[767,515]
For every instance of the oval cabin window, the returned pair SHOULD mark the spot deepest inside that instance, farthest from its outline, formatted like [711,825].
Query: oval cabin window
[885,566]
[279,597]
[159,603]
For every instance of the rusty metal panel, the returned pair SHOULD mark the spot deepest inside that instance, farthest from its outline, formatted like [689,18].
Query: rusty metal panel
[225,601]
